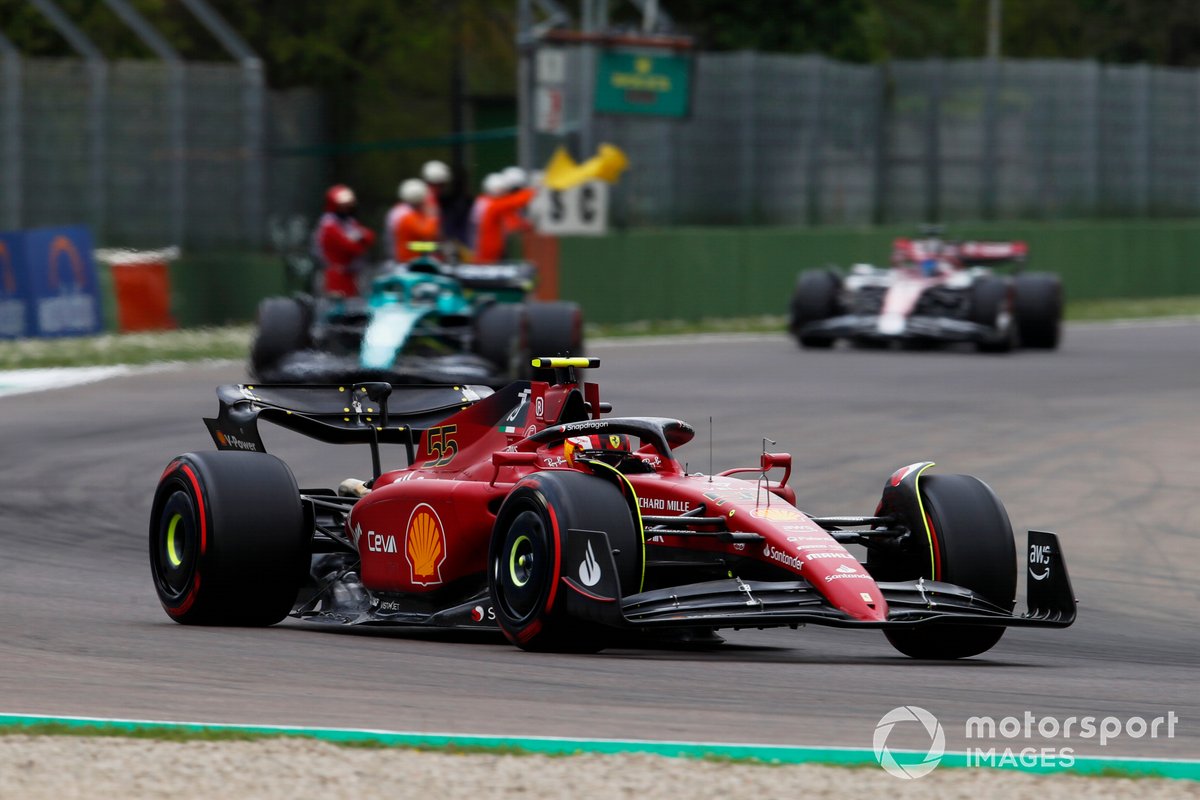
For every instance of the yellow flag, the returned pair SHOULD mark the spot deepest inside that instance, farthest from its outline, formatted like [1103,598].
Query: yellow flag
[607,165]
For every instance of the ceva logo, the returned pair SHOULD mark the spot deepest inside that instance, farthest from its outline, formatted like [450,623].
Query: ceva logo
[910,765]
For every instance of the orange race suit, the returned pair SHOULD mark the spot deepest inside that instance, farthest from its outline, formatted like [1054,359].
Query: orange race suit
[493,224]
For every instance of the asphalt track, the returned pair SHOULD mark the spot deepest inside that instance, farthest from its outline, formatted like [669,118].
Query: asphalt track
[1099,442]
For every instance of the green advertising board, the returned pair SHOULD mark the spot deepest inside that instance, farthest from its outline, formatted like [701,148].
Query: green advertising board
[639,83]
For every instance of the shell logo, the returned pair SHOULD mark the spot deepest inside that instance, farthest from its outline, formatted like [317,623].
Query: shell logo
[425,546]
[776,514]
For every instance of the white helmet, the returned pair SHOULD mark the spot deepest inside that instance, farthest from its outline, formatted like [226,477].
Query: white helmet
[435,172]
[414,191]
[494,185]
[515,177]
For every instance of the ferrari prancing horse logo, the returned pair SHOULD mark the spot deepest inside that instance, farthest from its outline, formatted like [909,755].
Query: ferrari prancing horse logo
[425,546]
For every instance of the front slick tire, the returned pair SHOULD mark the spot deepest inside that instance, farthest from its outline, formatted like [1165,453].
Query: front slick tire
[228,541]
[975,549]
[814,299]
[525,558]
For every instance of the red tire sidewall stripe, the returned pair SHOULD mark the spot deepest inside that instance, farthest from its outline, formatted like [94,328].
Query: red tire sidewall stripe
[182,608]
[199,504]
[557,571]
[170,468]
[525,634]
[190,598]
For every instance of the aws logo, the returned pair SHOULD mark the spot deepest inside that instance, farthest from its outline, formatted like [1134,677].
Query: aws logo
[69,307]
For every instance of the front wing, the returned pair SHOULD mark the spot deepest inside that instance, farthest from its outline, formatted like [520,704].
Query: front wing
[866,326]
[733,603]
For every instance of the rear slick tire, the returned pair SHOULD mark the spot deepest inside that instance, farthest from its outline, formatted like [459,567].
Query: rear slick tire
[228,539]
[555,329]
[283,329]
[502,337]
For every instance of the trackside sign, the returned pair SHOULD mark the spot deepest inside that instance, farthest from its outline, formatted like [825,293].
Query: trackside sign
[640,83]
[48,284]
[15,319]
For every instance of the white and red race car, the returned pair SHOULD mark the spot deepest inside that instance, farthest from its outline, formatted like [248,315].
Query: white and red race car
[935,291]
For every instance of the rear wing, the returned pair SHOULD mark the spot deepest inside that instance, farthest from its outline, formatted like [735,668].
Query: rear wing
[353,413]
[968,254]
[984,253]
[518,276]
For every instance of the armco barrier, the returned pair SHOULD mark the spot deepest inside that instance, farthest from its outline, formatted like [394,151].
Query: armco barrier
[694,273]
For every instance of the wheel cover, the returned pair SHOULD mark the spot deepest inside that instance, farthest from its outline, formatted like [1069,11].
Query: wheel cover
[522,568]
[520,561]
[172,553]
[176,545]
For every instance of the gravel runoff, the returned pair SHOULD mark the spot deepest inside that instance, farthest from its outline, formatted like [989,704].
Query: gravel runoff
[65,767]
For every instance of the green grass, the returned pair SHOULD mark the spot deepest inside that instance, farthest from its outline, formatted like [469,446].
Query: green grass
[1133,308]
[159,734]
[197,344]
[768,323]
[194,344]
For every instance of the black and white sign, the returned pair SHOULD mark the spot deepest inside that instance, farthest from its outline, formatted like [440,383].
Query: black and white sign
[580,211]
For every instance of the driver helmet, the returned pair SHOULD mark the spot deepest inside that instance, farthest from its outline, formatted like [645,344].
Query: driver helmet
[610,442]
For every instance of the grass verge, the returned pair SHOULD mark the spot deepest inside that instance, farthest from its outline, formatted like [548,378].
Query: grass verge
[756,755]
[194,344]
[197,344]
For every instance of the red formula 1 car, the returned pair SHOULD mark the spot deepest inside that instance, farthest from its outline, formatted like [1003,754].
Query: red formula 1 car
[936,291]
[530,509]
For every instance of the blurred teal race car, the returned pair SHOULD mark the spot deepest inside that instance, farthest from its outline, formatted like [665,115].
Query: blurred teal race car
[421,322]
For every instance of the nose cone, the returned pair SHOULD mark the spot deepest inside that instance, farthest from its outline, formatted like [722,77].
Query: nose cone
[849,587]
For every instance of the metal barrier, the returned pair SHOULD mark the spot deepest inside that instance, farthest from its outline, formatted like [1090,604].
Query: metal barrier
[780,139]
